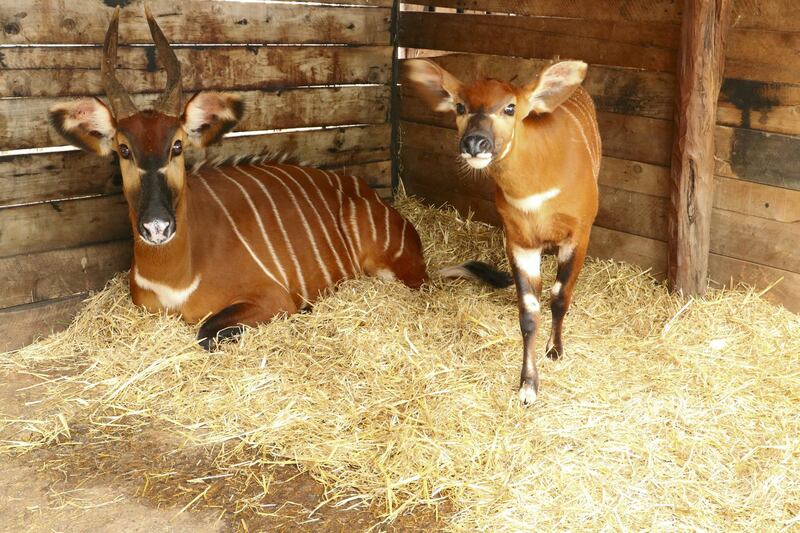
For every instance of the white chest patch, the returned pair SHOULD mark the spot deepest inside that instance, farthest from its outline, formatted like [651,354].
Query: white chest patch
[168,296]
[534,202]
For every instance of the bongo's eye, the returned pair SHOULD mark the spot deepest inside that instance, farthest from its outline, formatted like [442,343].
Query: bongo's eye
[124,151]
[460,109]
[509,110]
[177,148]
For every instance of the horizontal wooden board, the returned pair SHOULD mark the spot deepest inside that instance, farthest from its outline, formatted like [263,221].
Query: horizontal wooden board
[21,325]
[781,15]
[639,45]
[53,225]
[649,254]
[39,177]
[192,21]
[763,55]
[768,158]
[52,274]
[727,271]
[668,11]
[773,107]
[71,71]
[24,122]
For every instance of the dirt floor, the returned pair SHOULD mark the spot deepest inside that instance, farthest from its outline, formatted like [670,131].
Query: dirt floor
[123,487]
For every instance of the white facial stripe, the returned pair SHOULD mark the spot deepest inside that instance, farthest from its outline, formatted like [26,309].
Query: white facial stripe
[169,297]
[316,212]
[399,252]
[528,260]
[239,235]
[534,202]
[531,303]
[508,144]
[304,221]
[297,270]
[257,216]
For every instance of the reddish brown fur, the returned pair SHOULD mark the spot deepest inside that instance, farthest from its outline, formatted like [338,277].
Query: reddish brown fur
[206,244]
[545,161]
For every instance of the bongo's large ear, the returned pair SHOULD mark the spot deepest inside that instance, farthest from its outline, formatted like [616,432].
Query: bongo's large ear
[437,87]
[555,85]
[210,115]
[85,123]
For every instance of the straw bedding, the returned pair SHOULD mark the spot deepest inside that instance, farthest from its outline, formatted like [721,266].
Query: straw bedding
[664,414]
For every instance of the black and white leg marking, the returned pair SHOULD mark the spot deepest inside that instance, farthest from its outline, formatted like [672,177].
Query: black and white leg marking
[526,263]
[560,297]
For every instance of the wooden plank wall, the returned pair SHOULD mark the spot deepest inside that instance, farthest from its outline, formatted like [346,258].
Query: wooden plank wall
[63,222]
[631,48]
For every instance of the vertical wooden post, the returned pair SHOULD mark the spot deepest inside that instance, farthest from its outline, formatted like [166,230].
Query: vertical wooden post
[701,60]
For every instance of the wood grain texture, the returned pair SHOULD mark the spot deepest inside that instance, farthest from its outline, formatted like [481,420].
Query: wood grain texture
[639,45]
[701,63]
[21,325]
[53,274]
[730,272]
[192,21]
[773,15]
[24,122]
[70,71]
[40,177]
[763,55]
[71,223]
[667,11]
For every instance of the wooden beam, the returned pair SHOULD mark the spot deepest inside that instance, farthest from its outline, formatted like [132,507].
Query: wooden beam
[701,61]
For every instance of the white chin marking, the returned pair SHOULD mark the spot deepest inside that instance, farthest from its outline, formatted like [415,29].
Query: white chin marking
[481,161]
[157,243]
[527,394]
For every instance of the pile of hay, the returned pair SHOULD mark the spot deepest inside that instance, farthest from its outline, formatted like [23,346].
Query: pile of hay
[662,415]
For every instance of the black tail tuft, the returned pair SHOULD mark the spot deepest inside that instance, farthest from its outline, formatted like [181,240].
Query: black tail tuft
[480,271]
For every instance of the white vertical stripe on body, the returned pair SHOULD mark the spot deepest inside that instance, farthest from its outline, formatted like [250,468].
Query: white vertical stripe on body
[336,221]
[240,236]
[399,252]
[297,270]
[316,212]
[311,239]
[356,184]
[257,216]
[386,223]
[354,225]
[563,107]
[343,221]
